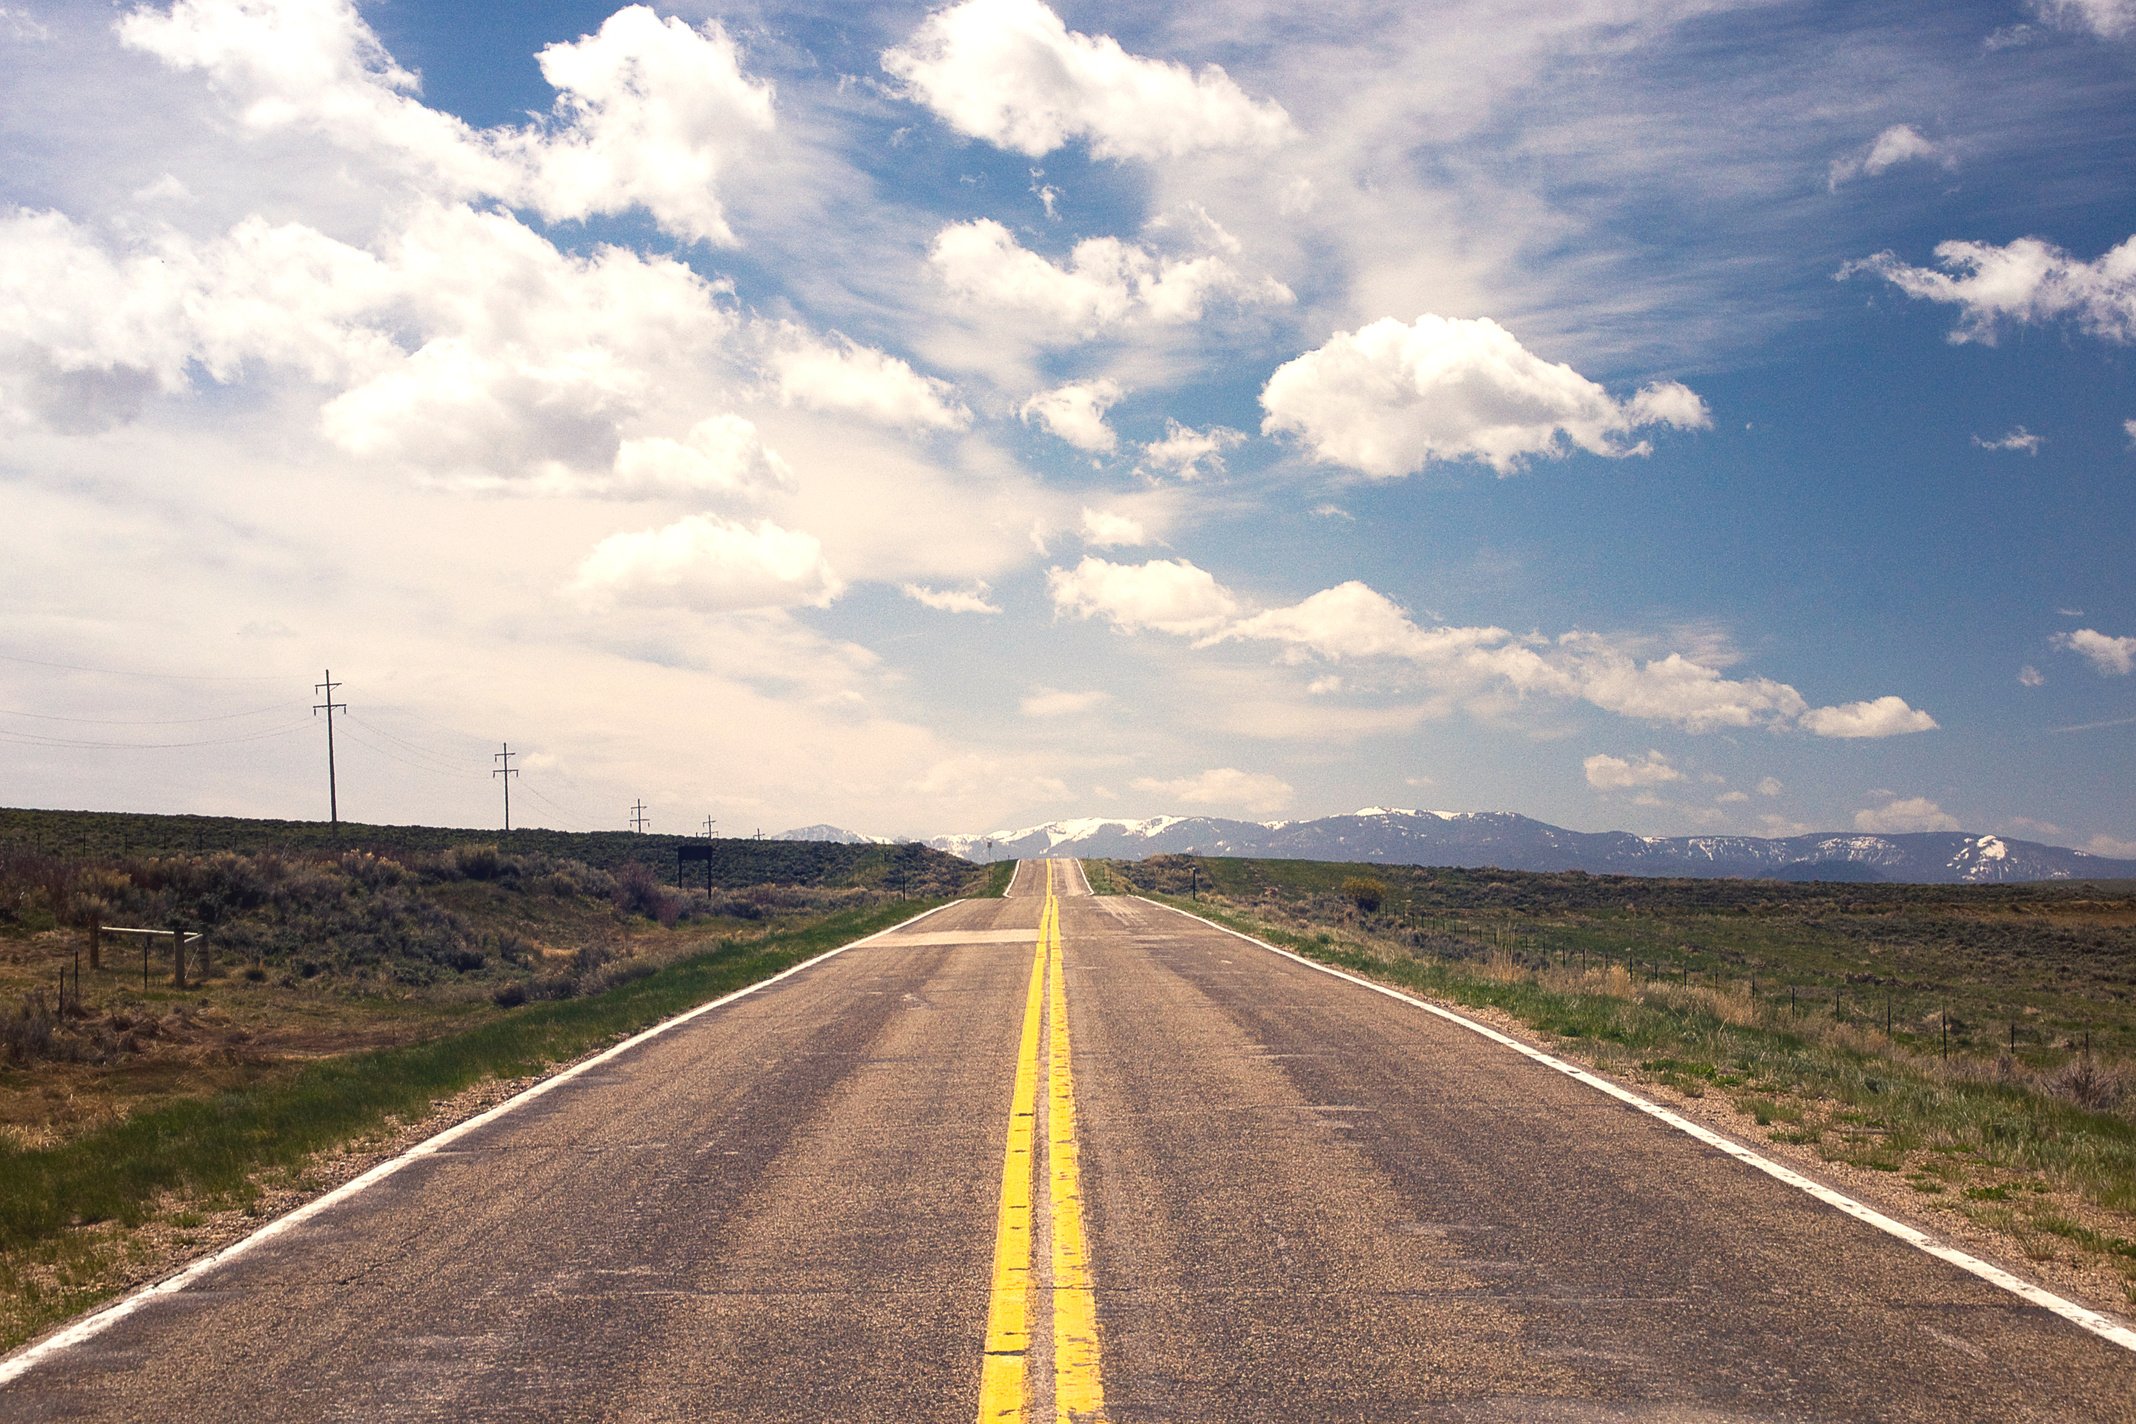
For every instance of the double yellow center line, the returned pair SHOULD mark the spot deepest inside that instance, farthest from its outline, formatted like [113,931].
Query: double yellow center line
[1004,1384]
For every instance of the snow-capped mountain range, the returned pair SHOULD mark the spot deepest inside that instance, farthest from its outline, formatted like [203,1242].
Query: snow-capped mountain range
[837,835]
[1513,842]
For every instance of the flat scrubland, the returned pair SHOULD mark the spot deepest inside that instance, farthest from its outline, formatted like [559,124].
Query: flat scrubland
[353,985]
[1967,1052]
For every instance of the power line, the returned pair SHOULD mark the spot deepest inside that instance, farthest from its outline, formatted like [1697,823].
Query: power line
[124,672]
[148,721]
[438,761]
[578,822]
[37,739]
[391,755]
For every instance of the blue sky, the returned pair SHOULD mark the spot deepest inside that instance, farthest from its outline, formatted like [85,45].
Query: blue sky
[1682,417]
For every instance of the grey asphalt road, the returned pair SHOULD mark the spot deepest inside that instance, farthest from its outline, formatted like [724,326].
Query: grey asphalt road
[1303,1202]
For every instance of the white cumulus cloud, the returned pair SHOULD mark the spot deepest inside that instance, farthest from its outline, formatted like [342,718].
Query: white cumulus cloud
[2027,282]
[1353,620]
[1105,283]
[1614,773]
[1911,813]
[1254,792]
[1877,717]
[1391,397]
[649,112]
[1188,454]
[1075,412]
[1011,73]
[1168,595]
[722,454]
[1103,529]
[2115,657]
[843,377]
[708,564]
[970,599]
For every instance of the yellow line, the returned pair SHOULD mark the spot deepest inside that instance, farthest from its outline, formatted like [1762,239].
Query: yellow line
[1002,1385]
[1078,1387]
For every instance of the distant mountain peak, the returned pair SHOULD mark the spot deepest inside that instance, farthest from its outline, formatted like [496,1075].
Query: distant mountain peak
[1509,841]
[837,835]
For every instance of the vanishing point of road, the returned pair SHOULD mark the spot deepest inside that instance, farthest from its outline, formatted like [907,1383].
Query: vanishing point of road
[1057,1157]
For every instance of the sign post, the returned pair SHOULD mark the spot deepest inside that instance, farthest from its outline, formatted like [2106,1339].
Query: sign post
[687,852]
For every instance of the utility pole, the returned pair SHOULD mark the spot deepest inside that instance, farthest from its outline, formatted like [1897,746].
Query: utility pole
[507,771]
[330,707]
[638,819]
[709,824]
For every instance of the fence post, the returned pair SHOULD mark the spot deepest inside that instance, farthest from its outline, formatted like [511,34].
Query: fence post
[178,953]
[96,944]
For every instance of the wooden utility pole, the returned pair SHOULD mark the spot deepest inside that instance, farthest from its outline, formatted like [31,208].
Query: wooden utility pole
[507,772]
[638,819]
[330,707]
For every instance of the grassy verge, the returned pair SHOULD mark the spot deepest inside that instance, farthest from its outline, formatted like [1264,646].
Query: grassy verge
[1981,1140]
[1102,880]
[998,876]
[66,1210]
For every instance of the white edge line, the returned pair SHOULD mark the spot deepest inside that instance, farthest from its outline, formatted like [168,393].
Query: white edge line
[2104,1326]
[91,1326]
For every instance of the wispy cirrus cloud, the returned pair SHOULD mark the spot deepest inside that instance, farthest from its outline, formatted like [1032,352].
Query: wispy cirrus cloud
[1899,144]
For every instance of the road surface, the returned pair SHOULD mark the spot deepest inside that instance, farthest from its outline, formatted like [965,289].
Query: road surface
[1058,1156]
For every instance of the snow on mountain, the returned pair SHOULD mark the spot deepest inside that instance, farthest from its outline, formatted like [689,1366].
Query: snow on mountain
[838,835]
[1508,841]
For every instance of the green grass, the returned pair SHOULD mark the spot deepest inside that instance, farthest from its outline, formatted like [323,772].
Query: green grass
[217,1150]
[996,884]
[2034,971]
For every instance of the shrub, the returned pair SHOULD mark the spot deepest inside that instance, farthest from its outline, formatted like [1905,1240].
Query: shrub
[639,892]
[2088,1085]
[1367,892]
[478,862]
